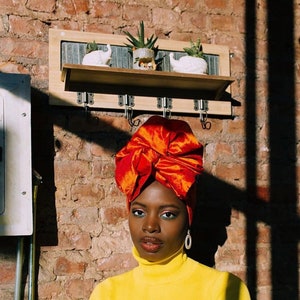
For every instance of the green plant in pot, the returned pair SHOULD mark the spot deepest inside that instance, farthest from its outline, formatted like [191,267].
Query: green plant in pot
[143,49]
[194,62]
[96,57]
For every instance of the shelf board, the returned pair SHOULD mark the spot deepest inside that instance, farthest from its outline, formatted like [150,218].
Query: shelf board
[106,80]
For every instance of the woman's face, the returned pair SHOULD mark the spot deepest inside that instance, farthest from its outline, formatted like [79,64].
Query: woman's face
[158,222]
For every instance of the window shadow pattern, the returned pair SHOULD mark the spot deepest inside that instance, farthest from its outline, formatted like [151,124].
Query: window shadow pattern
[280,212]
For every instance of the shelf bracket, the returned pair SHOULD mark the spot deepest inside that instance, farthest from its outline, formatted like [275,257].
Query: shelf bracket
[202,106]
[166,104]
[85,98]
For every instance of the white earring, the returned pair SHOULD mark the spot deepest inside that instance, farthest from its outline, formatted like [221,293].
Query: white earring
[188,240]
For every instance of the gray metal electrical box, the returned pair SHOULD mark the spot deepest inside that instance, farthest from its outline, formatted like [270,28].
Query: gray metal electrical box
[15,155]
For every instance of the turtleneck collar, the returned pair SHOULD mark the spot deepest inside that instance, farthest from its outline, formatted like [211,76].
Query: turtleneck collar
[160,271]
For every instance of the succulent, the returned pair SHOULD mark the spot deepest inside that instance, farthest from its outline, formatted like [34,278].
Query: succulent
[90,47]
[140,41]
[195,50]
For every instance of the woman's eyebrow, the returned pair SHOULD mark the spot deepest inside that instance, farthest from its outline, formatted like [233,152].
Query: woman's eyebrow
[169,206]
[137,203]
[160,207]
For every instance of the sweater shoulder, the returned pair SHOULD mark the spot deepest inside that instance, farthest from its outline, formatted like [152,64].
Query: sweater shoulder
[219,284]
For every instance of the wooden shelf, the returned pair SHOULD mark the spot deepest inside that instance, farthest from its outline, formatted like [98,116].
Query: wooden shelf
[67,77]
[106,80]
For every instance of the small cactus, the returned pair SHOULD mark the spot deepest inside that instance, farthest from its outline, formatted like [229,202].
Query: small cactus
[140,41]
[195,50]
[90,47]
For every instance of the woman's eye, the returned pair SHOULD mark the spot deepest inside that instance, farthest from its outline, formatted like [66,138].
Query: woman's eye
[138,213]
[168,215]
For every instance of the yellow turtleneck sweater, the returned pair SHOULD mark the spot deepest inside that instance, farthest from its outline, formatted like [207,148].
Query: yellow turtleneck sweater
[177,277]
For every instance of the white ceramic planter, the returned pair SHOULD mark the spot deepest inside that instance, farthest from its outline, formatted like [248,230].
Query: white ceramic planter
[98,58]
[143,59]
[188,64]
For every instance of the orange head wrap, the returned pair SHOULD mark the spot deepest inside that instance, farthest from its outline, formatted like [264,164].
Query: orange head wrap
[165,150]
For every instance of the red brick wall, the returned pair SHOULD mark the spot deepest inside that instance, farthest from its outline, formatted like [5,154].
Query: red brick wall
[82,231]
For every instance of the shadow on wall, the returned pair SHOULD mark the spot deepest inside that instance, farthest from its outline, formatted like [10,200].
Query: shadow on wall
[281,210]
[43,163]
[211,216]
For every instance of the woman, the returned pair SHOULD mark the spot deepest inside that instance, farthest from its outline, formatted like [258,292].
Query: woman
[157,171]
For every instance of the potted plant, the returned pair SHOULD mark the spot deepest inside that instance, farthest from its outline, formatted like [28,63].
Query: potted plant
[95,57]
[143,49]
[194,62]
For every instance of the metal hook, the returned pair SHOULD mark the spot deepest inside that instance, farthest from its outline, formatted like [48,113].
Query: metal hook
[203,120]
[202,106]
[166,113]
[128,102]
[129,117]
[166,104]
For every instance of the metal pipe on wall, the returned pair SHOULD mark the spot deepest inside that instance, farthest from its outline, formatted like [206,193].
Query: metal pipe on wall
[19,267]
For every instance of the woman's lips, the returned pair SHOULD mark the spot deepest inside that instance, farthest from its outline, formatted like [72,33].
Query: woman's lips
[150,244]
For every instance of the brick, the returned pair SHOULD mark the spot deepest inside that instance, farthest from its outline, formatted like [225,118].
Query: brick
[85,195]
[73,238]
[9,6]
[193,5]
[236,236]
[263,258]
[263,193]
[27,26]
[78,288]
[222,23]
[229,257]
[236,126]
[231,172]
[107,9]
[7,292]
[50,290]
[224,150]
[7,274]
[64,267]
[9,67]
[104,169]
[165,18]
[239,7]
[117,240]
[217,4]
[36,5]
[139,13]
[70,145]
[74,7]
[194,21]
[13,47]
[113,215]
[68,171]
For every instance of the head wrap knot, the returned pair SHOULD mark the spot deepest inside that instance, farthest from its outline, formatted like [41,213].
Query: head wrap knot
[165,150]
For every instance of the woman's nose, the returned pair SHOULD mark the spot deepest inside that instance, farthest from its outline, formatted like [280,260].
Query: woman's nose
[151,225]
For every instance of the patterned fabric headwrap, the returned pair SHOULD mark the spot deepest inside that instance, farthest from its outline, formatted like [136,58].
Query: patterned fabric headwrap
[165,150]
